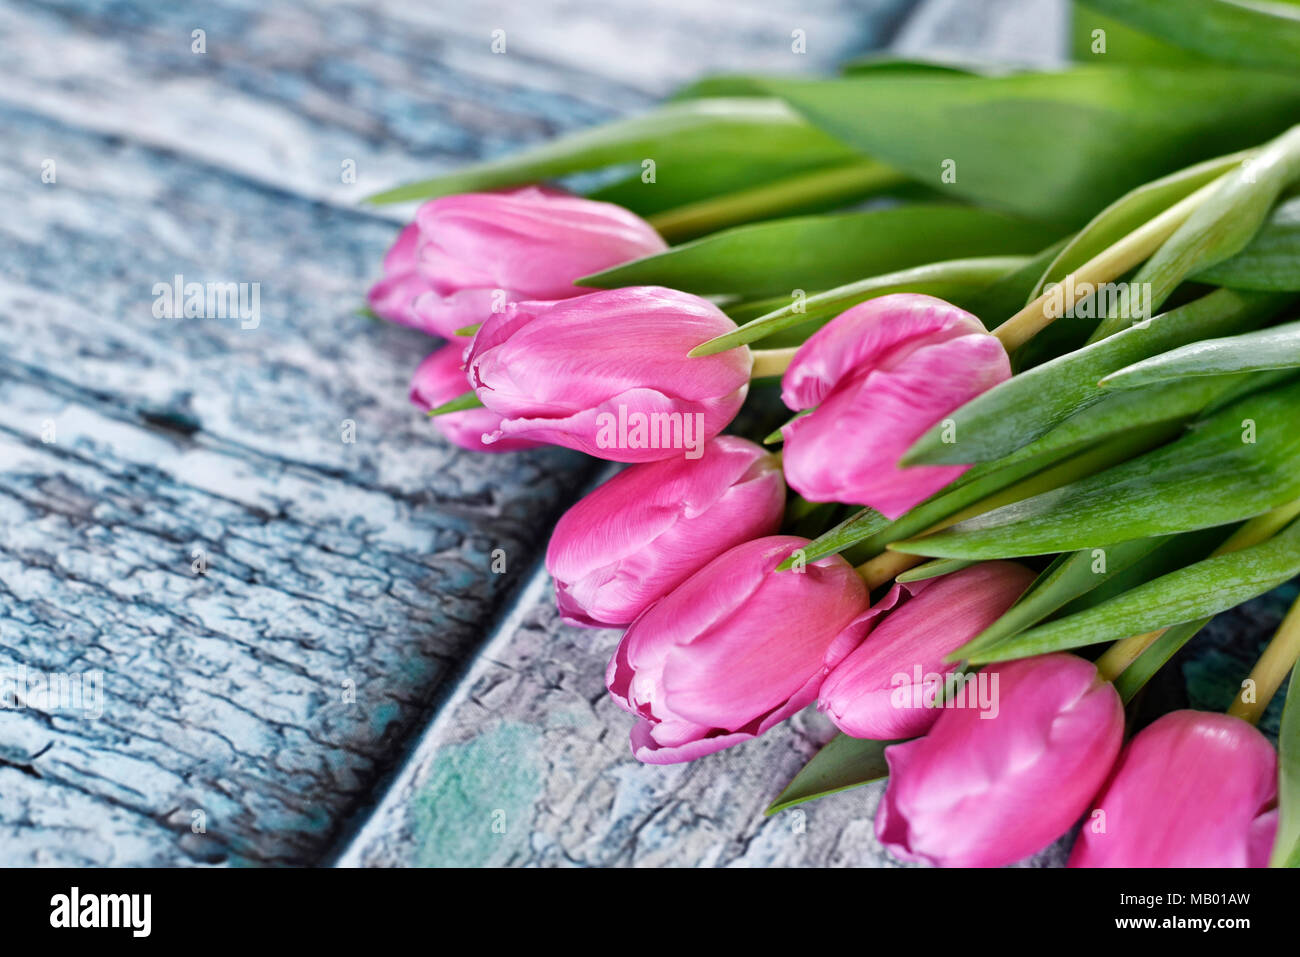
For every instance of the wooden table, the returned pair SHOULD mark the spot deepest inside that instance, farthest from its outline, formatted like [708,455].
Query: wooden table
[282,573]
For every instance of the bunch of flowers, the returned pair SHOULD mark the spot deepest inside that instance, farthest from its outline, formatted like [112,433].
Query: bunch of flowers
[1025,458]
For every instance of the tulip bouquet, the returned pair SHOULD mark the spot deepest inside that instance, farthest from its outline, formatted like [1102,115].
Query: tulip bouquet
[1032,433]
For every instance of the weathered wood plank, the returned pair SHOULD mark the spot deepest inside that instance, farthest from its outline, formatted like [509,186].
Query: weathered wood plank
[285,93]
[328,561]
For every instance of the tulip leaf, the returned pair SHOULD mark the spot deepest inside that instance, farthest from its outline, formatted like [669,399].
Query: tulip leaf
[1245,33]
[1187,595]
[822,252]
[1171,553]
[1066,578]
[1120,42]
[933,569]
[1271,262]
[870,529]
[1129,212]
[1274,348]
[1133,678]
[715,145]
[1240,462]
[842,764]
[943,279]
[1018,411]
[466,400]
[1219,228]
[981,486]
[1055,145]
[1286,848]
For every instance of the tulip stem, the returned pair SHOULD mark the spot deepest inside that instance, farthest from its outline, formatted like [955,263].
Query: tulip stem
[1254,532]
[771,362]
[838,183]
[886,567]
[1109,264]
[1271,670]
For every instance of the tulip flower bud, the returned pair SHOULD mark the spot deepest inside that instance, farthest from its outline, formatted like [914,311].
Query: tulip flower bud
[887,687]
[981,791]
[440,378]
[1192,789]
[647,529]
[735,649]
[608,373]
[877,377]
[466,256]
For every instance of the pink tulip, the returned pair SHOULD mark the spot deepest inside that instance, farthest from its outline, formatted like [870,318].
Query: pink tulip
[440,378]
[608,373]
[1193,789]
[877,377]
[735,649]
[647,529]
[981,791]
[466,256]
[886,688]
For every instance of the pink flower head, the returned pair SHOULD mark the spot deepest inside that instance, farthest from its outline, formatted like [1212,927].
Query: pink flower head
[1192,789]
[467,256]
[877,377]
[642,533]
[608,373]
[440,378]
[735,649]
[987,791]
[886,688]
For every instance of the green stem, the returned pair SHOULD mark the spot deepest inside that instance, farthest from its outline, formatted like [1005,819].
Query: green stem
[838,183]
[771,362]
[1272,668]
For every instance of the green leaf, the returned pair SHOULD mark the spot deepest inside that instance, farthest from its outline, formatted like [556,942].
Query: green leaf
[1272,260]
[1065,579]
[1056,146]
[1129,212]
[1274,348]
[1171,553]
[944,280]
[1242,461]
[940,566]
[718,143]
[1187,595]
[1221,227]
[1028,405]
[1133,678]
[1245,33]
[466,400]
[822,252]
[842,764]
[1120,411]
[871,532]
[1286,849]
[1003,298]
[1118,42]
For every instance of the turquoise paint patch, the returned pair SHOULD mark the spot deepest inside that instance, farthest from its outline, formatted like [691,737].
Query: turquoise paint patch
[475,808]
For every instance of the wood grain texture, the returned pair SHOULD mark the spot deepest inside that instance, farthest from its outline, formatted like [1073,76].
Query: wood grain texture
[132,446]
